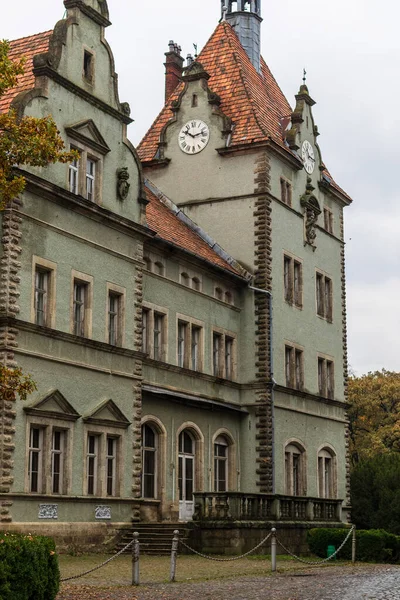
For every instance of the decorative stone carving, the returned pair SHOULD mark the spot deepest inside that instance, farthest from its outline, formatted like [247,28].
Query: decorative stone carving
[48,511]
[103,512]
[122,183]
[311,214]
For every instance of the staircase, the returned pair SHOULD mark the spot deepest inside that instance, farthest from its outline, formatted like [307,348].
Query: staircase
[154,538]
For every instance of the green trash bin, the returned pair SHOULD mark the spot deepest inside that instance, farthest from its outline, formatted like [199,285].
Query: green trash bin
[330,550]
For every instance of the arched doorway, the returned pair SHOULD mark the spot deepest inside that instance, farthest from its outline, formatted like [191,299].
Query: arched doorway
[186,474]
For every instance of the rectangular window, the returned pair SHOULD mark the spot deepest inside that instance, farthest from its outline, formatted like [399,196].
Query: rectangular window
[326,381]
[88,66]
[35,459]
[294,367]
[328,220]
[158,337]
[57,461]
[324,296]
[286,192]
[111,465]
[42,287]
[145,331]
[293,281]
[92,461]
[81,290]
[90,179]
[114,319]
[73,177]
[182,343]
[217,349]
[228,357]
[196,333]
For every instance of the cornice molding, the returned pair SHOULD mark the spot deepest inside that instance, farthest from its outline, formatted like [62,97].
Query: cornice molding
[309,396]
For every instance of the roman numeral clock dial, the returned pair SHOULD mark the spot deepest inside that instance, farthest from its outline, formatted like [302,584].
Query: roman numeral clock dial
[194,136]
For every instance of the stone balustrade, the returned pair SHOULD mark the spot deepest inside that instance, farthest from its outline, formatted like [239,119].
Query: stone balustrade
[237,506]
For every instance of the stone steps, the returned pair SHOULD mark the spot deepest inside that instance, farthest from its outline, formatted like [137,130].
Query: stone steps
[154,538]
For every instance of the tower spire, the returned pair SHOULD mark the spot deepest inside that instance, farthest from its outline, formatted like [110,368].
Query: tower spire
[245,18]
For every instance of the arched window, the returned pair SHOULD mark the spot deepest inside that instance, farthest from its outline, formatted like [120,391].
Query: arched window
[221,463]
[185,279]
[149,458]
[196,284]
[228,297]
[326,473]
[159,268]
[218,293]
[147,262]
[295,470]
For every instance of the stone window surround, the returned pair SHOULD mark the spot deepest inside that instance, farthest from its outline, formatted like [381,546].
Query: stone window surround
[88,280]
[232,459]
[190,322]
[286,191]
[298,348]
[47,425]
[103,432]
[327,311]
[300,446]
[89,80]
[326,358]
[198,457]
[328,219]
[51,268]
[151,310]
[85,153]
[293,260]
[224,333]
[334,474]
[161,454]
[112,288]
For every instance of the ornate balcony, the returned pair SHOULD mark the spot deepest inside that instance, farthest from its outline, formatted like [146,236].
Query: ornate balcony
[237,506]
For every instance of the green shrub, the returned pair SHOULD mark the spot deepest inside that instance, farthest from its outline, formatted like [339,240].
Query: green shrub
[374,545]
[28,568]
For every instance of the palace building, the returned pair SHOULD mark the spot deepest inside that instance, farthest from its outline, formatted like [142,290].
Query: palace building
[181,306]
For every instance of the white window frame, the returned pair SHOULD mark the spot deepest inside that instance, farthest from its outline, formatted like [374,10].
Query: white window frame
[50,268]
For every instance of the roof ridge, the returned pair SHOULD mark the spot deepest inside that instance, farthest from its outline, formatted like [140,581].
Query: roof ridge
[215,247]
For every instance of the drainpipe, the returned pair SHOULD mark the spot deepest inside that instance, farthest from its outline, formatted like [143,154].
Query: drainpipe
[273,382]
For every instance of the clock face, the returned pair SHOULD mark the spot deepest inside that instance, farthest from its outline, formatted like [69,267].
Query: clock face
[307,153]
[194,136]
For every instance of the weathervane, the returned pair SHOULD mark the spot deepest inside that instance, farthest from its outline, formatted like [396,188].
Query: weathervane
[195,50]
[304,76]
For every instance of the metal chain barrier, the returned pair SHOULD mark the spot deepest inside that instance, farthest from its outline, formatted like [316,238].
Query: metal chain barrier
[99,566]
[226,559]
[316,563]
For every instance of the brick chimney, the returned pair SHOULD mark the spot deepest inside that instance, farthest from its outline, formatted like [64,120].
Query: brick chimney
[173,68]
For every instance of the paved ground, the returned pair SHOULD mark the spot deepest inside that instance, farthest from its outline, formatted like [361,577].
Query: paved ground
[333,583]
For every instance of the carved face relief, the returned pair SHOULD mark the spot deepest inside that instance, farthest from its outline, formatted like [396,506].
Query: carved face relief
[194,136]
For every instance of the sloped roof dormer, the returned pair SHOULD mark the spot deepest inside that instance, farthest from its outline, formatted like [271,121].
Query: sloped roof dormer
[88,134]
[53,405]
[107,413]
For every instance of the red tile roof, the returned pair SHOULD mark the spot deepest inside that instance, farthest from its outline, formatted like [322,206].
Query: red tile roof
[27,47]
[253,100]
[162,220]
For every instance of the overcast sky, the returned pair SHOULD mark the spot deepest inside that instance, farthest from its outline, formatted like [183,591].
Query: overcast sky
[351,50]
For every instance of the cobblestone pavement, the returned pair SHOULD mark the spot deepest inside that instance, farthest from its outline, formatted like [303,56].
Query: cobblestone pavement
[335,583]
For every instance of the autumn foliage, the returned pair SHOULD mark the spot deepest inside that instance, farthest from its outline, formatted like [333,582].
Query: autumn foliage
[14,383]
[23,141]
[374,414]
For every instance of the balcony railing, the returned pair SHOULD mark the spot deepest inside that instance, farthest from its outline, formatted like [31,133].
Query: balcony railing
[237,506]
